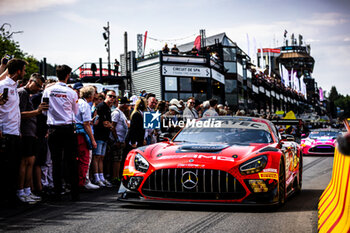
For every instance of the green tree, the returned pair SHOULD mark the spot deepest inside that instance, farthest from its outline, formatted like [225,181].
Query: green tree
[11,47]
[343,102]
[333,94]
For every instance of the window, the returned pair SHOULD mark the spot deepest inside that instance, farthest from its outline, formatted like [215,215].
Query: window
[249,74]
[170,84]
[240,69]
[229,54]
[185,96]
[230,86]
[170,95]
[185,84]
[231,67]
[200,96]
[200,85]
[231,99]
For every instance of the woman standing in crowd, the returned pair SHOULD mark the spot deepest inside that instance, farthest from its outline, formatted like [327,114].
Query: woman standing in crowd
[136,134]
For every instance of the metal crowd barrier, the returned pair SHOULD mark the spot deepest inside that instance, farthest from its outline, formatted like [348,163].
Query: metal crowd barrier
[334,203]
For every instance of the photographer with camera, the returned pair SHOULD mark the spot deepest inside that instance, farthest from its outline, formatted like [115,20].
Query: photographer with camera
[10,119]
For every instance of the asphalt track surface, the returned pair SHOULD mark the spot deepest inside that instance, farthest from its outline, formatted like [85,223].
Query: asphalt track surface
[99,211]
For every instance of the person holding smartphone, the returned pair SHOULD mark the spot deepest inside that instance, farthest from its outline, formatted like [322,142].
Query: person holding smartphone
[3,70]
[29,140]
[10,119]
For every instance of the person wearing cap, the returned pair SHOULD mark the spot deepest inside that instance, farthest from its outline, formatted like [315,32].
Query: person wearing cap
[179,107]
[78,86]
[170,120]
[85,137]
[176,103]
[120,129]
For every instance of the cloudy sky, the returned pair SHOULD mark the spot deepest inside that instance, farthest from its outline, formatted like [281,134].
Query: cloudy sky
[70,31]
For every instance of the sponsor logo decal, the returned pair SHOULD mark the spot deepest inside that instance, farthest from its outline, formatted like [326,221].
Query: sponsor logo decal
[268,175]
[127,172]
[270,170]
[191,165]
[189,180]
[213,157]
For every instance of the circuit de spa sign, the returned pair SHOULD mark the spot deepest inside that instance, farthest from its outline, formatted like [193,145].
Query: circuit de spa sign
[190,71]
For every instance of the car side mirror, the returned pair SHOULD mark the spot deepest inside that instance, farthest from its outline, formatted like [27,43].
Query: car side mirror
[164,137]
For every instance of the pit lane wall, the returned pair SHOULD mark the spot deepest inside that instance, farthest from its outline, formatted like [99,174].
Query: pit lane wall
[334,203]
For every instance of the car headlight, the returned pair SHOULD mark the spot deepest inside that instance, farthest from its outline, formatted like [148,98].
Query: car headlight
[141,163]
[253,165]
[308,143]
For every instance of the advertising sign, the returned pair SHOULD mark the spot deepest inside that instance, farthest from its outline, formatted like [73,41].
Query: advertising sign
[189,71]
[83,72]
[217,76]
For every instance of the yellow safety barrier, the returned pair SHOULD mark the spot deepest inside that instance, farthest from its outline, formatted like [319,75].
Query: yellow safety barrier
[334,204]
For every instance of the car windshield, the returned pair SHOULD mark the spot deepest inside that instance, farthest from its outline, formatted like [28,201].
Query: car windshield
[318,134]
[231,136]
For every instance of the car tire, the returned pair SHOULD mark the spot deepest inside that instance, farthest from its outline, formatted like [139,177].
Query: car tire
[281,184]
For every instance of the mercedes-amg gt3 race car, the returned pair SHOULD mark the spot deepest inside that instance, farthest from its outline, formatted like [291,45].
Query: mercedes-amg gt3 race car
[227,160]
[320,142]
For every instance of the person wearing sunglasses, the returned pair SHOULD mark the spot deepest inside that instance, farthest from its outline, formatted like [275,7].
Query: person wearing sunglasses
[190,112]
[102,131]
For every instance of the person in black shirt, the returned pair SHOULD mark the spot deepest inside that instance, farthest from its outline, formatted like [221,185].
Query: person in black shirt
[175,50]
[29,138]
[102,132]
[136,134]
[194,51]
[165,49]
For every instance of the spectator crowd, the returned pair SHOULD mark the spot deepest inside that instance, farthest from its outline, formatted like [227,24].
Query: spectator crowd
[59,138]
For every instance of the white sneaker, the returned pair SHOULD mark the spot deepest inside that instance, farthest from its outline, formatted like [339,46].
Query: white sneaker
[100,183]
[26,199]
[107,184]
[34,197]
[90,185]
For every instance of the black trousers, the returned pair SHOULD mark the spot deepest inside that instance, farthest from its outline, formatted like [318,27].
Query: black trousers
[9,166]
[63,148]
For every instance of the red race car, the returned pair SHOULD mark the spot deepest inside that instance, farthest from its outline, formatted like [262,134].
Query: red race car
[227,160]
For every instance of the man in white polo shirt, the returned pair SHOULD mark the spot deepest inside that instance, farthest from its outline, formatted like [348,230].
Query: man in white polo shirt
[10,120]
[63,106]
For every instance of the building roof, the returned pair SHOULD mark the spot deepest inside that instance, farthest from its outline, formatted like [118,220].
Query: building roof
[294,55]
[209,41]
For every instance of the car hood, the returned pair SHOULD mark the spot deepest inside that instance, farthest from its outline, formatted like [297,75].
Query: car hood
[320,141]
[175,155]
